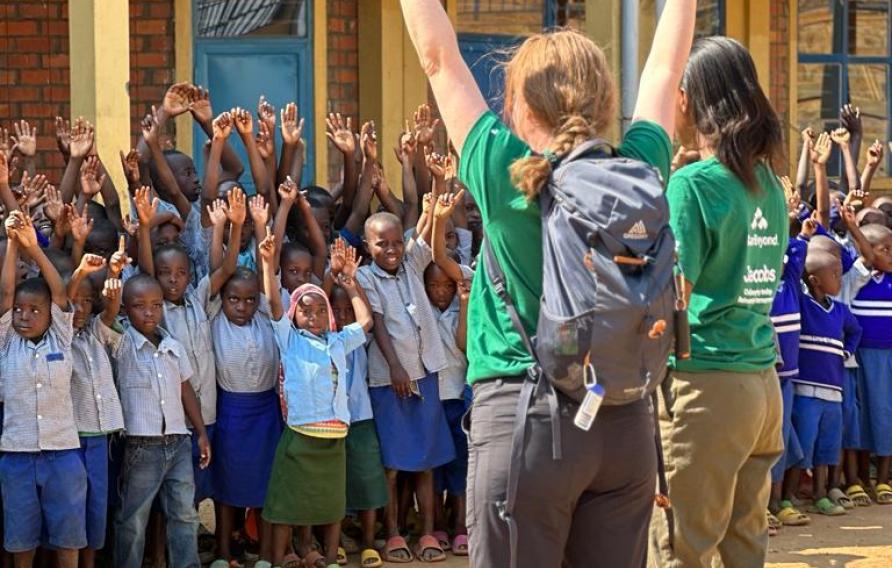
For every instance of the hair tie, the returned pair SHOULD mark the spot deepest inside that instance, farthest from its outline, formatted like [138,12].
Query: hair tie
[550,156]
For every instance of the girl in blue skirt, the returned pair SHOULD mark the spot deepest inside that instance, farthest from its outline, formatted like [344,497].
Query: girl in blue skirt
[248,421]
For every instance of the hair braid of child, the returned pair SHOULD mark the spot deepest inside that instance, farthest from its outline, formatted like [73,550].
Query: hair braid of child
[531,173]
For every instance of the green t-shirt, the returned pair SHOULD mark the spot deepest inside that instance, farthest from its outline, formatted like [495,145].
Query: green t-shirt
[731,243]
[513,227]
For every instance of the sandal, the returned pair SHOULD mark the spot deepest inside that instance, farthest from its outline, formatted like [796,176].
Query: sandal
[460,545]
[858,496]
[790,516]
[443,538]
[429,543]
[314,559]
[839,498]
[369,558]
[292,561]
[773,522]
[342,556]
[397,544]
[884,494]
[825,506]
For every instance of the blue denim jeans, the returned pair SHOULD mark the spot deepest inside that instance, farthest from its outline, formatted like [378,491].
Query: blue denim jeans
[157,466]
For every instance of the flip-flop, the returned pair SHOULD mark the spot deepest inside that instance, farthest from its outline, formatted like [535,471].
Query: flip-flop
[839,498]
[396,544]
[790,516]
[369,558]
[825,506]
[342,556]
[884,494]
[858,496]
[460,545]
[314,559]
[773,522]
[292,561]
[443,538]
[428,542]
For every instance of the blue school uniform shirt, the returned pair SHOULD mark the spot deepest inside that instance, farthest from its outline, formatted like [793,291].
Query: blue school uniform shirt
[828,336]
[358,400]
[785,314]
[872,306]
[309,391]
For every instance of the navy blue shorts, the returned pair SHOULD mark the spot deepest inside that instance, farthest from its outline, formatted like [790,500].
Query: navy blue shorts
[851,411]
[94,455]
[792,450]
[819,426]
[876,406]
[453,477]
[44,493]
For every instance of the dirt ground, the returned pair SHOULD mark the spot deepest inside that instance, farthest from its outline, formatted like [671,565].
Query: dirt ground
[861,539]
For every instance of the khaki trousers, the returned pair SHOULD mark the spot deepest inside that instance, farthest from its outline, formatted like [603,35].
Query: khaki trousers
[721,434]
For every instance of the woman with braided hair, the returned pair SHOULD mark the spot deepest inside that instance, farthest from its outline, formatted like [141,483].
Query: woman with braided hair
[593,507]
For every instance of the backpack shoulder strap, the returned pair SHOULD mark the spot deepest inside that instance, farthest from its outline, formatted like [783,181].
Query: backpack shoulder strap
[497,277]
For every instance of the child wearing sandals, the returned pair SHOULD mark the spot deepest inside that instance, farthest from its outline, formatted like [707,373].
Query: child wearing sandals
[308,482]
[828,336]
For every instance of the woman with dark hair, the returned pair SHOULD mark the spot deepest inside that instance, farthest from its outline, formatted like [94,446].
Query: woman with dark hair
[721,411]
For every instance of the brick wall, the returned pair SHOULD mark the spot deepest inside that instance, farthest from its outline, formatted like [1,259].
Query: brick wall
[343,71]
[34,77]
[780,64]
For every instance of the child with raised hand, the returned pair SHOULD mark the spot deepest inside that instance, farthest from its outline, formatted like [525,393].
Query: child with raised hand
[308,484]
[157,397]
[248,420]
[366,480]
[874,160]
[403,364]
[185,309]
[842,138]
[97,406]
[298,265]
[43,478]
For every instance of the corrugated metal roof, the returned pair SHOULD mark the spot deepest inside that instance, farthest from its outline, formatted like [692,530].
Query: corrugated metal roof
[231,18]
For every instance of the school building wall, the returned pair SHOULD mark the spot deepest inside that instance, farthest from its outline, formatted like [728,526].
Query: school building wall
[367,63]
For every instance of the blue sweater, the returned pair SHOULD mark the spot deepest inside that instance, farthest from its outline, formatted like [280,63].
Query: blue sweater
[785,309]
[828,336]
[873,308]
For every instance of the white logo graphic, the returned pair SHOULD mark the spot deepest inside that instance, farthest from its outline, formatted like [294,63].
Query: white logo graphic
[637,232]
[761,275]
[759,221]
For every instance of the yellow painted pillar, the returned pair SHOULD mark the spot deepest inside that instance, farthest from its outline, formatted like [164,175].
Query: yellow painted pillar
[749,22]
[98,31]
[391,81]
[320,88]
[793,85]
[602,24]
[182,41]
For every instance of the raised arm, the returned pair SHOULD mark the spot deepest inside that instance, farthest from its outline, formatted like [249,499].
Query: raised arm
[865,249]
[146,208]
[151,132]
[347,280]
[28,241]
[461,331]
[442,213]
[7,277]
[89,264]
[874,159]
[820,154]
[80,143]
[236,212]
[267,250]
[842,138]
[244,124]
[216,211]
[459,99]
[808,139]
[222,128]
[665,64]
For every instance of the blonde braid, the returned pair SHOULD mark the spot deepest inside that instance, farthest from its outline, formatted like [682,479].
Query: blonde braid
[530,174]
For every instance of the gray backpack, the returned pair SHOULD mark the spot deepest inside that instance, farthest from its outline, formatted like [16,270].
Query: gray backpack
[609,292]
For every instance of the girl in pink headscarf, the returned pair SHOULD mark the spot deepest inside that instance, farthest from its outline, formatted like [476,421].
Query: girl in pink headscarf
[308,483]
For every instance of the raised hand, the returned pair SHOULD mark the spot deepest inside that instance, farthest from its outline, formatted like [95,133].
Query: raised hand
[808,133]
[338,257]
[177,100]
[809,228]
[119,259]
[425,125]
[846,213]
[237,206]
[63,136]
[265,144]
[850,117]
[267,247]
[288,190]
[81,138]
[25,138]
[91,263]
[266,113]
[244,124]
[292,126]
[151,130]
[351,264]
[446,204]
[33,190]
[91,179]
[218,212]
[369,141]
[112,289]
[130,226]
[259,211]
[81,225]
[406,146]
[130,164]
[794,199]
[200,104]
[875,154]
[24,230]
[146,206]
[436,163]
[53,208]
[820,151]
[222,126]
[840,136]
[464,291]
[340,132]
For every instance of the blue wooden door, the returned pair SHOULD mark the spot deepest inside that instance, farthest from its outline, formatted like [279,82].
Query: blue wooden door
[247,48]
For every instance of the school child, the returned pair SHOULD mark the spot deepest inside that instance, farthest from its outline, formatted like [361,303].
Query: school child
[185,310]
[97,407]
[43,479]
[308,482]
[871,302]
[829,334]
[448,288]
[366,480]
[403,364]
[157,397]
[248,421]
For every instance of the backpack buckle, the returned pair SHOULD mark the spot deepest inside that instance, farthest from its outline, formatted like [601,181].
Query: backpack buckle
[534,373]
